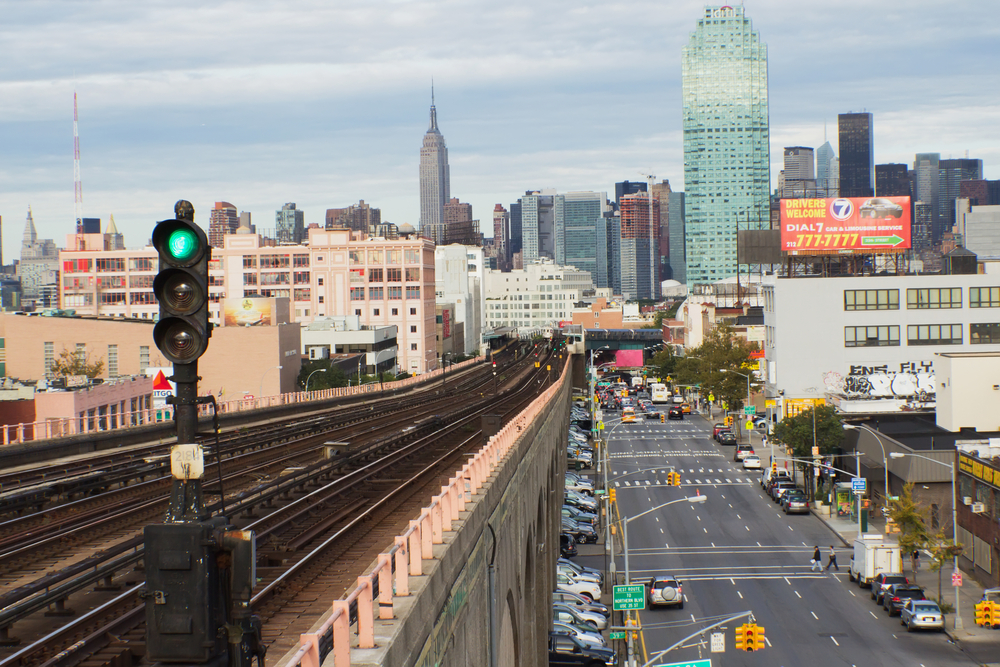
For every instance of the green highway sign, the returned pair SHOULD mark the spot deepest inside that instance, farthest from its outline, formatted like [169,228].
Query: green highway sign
[628,596]
[750,409]
[691,663]
[616,634]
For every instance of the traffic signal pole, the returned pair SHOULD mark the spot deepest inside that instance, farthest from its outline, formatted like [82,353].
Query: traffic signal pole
[200,570]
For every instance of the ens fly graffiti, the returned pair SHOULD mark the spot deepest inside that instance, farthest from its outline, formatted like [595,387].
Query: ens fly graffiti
[914,379]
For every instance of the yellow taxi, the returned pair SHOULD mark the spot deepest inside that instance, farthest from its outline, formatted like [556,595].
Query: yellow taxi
[628,415]
[686,407]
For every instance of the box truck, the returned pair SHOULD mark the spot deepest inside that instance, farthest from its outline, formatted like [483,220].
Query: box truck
[873,554]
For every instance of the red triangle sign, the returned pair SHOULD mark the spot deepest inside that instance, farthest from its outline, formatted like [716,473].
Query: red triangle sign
[160,382]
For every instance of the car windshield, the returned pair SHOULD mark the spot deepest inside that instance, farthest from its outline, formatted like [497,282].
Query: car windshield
[664,583]
[926,608]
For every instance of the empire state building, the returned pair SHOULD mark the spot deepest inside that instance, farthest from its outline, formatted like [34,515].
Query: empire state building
[435,187]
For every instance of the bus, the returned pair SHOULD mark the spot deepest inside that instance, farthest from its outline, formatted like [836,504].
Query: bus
[658,393]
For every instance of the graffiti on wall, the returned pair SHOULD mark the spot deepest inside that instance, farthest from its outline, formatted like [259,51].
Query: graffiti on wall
[912,380]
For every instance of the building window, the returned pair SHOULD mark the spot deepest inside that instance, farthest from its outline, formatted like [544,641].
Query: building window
[358,294]
[374,256]
[413,311]
[300,261]
[934,334]
[413,292]
[984,333]
[984,297]
[412,256]
[320,299]
[393,257]
[249,261]
[357,311]
[413,347]
[413,275]
[375,276]
[871,299]
[395,292]
[394,275]
[876,336]
[300,277]
[141,264]
[50,357]
[112,361]
[935,297]
[249,278]
[143,358]
[319,282]
[413,329]
[375,293]
[395,311]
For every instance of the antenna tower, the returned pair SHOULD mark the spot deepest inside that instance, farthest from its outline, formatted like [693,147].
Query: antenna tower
[77,184]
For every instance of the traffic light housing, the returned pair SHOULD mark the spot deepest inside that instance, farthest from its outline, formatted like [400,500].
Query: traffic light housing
[181,288]
[612,495]
[741,637]
[663,418]
[986,613]
[755,637]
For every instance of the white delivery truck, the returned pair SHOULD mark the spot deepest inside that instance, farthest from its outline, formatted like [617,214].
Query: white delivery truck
[873,554]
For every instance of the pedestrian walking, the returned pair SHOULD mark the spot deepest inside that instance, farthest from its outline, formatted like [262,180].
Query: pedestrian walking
[817,560]
[915,557]
[833,560]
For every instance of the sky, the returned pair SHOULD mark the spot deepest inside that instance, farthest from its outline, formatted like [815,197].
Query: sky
[325,102]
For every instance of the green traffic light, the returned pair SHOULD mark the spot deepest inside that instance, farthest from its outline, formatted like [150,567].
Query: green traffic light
[182,244]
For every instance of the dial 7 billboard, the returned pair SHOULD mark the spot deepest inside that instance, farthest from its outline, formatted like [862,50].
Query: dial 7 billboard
[845,225]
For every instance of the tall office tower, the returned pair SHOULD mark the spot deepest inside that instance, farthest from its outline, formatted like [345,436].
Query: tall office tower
[857,154]
[537,225]
[435,180]
[726,155]
[222,220]
[798,178]
[360,217]
[577,216]
[892,180]
[662,192]
[116,240]
[501,237]
[515,229]
[628,188]
[289,224]
[922,236]
[981,192]
[927,190]
[246,226]
[640,246]
[827,171]
[675,217]
[953,172]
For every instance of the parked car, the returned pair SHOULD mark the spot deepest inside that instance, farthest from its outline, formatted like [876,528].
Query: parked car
[782,488]
[578,514]
[897,595]
[742,451]
[580,486]
[588,636]
[751,462]
[883,580]
[795,503]
[587,589]
[574,600]
[921,615]
[727,438]
[578,617]
[675,412]
[665,591]
[582,569]
[716,427]
[579,576]
[565,649]
[770,476]
[567,545]
[581,532]
[580,500]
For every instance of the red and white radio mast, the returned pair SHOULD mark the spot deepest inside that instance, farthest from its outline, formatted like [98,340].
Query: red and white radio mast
[77,184]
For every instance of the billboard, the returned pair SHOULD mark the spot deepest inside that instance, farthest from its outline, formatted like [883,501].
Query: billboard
[246,312]
[845,225]
[628,358]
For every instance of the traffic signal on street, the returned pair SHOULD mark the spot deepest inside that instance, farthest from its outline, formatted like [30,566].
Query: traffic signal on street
[741,637]
[986,613]
[612,495]
[663,418]
[755,637]
[674,478]
[774,467]
[181,288]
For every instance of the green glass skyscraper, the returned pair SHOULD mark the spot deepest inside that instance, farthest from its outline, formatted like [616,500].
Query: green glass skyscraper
[726,157]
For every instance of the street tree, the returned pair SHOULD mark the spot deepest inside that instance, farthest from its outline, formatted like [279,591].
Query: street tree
[819,426]
[72,362]
[333,377]
[723,367]
[665,362]
[908,515]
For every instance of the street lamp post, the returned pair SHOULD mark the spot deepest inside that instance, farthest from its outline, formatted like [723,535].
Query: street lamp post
[625,523]
[318,370]
[262,380]
[954,521]
[593,382]
[381,386]
[885,460]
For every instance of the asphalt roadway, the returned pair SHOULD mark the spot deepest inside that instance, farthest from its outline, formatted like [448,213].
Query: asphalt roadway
[738,552]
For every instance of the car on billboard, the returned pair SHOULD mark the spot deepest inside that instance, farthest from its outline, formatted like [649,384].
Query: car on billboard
[877,207]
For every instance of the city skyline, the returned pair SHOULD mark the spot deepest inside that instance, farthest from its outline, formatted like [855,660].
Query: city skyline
[193,101]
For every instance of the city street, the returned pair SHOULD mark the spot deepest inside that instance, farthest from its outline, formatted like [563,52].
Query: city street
[738,552]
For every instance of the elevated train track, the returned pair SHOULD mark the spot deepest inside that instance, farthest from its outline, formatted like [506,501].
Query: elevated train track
[322,501]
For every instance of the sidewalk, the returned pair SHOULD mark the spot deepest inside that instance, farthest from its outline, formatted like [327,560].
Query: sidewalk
[981,643]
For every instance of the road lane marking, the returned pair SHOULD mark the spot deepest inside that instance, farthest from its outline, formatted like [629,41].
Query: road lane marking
[787,581]
[814,615]
[873,614]
[706,531]
[740,594]
[834,640]
[799,596]
[732,581]
[739,517]
[748,528]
